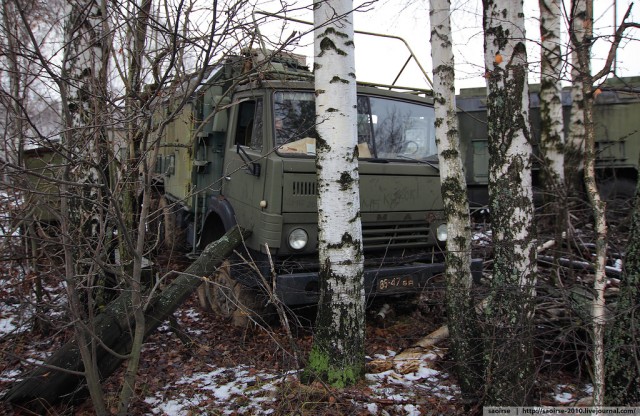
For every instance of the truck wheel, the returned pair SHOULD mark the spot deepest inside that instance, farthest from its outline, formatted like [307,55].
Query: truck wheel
[231,299]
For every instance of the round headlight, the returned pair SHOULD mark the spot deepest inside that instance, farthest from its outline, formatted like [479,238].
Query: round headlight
[441,232]
[298,239]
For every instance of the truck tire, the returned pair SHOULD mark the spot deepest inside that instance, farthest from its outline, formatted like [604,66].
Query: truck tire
[231,300]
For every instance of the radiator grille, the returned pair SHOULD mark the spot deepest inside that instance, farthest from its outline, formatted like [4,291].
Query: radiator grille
[304,188]
[413,234]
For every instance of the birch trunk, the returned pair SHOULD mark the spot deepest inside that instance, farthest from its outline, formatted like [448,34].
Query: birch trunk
[337,355]
[599,217]
[581,42]
[12,148]
[582,21]
[551,140]
[622,355]
[509,313]
[461,322]
[83,211]
[574,151]
[552,134]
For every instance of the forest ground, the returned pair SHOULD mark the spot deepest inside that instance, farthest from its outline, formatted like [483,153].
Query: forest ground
[207,366]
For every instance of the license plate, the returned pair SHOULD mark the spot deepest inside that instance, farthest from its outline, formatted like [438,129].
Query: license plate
[390,283]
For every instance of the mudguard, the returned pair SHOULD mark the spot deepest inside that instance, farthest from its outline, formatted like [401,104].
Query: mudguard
[219,218]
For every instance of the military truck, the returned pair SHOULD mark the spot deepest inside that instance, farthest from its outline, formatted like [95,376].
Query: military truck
[242,151]
[617,138]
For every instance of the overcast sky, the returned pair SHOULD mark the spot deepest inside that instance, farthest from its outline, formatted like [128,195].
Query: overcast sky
[381,59]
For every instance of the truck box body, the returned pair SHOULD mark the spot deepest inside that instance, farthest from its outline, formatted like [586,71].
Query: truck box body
[617,129]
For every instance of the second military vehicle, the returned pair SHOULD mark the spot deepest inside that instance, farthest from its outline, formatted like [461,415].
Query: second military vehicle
[617,137]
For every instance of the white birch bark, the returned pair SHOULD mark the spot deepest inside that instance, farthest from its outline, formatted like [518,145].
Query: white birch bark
[551,121]
[552,135]
[506,63]
[454,194]
[509,312]
[82,219]
[599,283]
[581,34]
[13,145]
[621,379]
[338,351]
[575,139]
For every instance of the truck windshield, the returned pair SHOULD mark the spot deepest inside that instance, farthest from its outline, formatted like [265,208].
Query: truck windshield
[387,129]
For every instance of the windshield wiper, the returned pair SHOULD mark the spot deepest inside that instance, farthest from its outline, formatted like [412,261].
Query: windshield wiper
[426,162]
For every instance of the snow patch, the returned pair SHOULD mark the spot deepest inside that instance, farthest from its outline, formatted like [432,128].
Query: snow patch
[563,398]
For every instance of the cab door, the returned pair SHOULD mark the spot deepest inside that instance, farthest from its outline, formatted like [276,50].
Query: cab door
[245,166]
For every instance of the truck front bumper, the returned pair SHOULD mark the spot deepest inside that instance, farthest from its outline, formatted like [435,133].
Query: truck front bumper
[304,288]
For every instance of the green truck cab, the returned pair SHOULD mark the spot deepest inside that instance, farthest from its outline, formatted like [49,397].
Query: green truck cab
[243,152]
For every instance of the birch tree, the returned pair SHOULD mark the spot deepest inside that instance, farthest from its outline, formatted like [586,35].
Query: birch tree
[622,370]
[581,39]
[508,321]
[337,354]
[551,118]
[461,323]
[13,144]
[21,86]
[582,46]
[83,220]
[622,355]
[92,204]
[574,150]
[551,140]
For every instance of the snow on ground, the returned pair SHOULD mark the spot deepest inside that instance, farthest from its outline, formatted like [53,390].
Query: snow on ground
[13,315]
[243,390]
[16,317]
[192,385]
[236,390]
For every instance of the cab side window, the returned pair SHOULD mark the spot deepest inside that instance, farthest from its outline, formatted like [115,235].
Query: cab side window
[249,124]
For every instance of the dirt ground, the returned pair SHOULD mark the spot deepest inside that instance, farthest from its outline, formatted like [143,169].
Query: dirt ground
[203,343]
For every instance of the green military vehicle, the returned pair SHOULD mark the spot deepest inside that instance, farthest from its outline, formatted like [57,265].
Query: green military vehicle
[617,137]
[243,152]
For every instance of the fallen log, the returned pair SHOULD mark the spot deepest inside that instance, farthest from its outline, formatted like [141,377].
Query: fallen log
[60,377]
[579,265]
[408,360]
